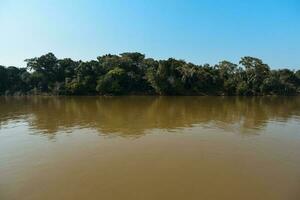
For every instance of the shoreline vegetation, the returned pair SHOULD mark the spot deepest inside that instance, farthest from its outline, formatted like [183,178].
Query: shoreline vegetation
[133,74]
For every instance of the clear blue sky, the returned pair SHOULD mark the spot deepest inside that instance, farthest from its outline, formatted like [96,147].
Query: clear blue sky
[200,31]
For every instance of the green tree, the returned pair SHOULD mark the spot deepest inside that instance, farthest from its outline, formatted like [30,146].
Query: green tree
[256,72]
[113,83]
[166,78]
[3,79]
[45,70]
[228,75]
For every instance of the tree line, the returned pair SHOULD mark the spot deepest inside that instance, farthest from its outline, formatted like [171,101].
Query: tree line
[134,74]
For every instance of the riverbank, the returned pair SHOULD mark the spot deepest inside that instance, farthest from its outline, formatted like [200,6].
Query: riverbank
[134,74]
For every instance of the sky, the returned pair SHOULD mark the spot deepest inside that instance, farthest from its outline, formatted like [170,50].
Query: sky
[198,31]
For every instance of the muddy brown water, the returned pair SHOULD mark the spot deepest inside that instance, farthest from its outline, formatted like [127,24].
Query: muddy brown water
[69,148]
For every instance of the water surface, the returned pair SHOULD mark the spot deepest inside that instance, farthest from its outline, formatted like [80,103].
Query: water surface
[150,148]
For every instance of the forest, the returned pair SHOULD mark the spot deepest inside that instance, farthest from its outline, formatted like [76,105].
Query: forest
[134,74]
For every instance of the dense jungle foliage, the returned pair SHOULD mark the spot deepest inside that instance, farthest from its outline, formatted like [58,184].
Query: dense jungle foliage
[133,74]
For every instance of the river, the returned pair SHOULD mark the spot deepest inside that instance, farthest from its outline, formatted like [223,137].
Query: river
[140,148]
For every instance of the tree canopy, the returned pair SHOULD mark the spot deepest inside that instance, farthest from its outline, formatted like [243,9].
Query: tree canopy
[134,74]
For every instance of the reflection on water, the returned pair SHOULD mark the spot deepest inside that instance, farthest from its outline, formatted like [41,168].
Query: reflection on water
[134,115]
[133,148]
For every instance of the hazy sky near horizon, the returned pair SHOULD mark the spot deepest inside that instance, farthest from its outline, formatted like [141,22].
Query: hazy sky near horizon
[199,31]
